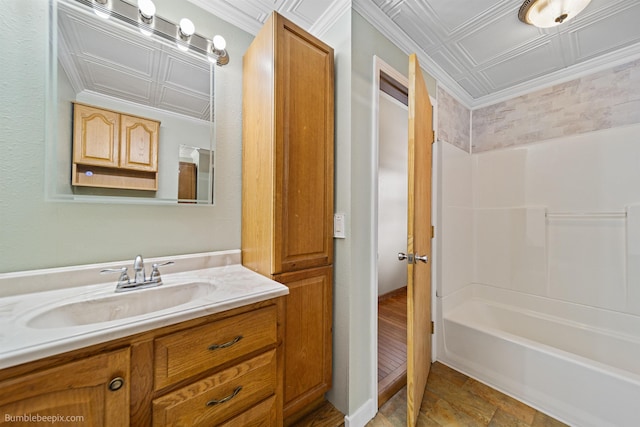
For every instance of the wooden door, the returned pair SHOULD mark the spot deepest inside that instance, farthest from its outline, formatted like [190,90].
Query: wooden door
[187,182]
[79,389]
[418,241]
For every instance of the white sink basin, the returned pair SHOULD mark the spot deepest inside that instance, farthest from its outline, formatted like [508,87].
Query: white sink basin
[120,306]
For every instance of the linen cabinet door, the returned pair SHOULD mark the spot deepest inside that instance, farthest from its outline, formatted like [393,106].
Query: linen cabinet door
[308,337]
[94,391]
[304,151]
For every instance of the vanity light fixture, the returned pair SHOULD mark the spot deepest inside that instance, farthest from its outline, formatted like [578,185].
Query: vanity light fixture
[549,13]
[218,54]
[185,31]
[143,17]
[101,8]
[146,12]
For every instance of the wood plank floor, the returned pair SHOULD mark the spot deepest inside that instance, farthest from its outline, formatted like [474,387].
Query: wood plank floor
[453,399]
[392,344]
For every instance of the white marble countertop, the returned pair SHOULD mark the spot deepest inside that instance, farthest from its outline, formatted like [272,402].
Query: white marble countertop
[222,285]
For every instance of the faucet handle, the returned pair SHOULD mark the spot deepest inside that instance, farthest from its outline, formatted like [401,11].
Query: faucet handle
[124,277]
[155,273]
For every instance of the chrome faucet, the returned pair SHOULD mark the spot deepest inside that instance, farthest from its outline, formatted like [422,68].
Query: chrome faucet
[138,268]
[140,281]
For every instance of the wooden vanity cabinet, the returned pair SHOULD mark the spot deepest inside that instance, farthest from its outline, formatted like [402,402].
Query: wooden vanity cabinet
[95,390]
[114,150]
[287,193]
[221,370]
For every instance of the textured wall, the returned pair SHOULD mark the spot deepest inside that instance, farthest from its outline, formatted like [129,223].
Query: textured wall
[454,120]
[602,100]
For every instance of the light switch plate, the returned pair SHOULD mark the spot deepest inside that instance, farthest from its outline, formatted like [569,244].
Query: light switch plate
[338,226]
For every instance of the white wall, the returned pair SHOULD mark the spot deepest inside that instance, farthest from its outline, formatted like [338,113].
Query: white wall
[393,162]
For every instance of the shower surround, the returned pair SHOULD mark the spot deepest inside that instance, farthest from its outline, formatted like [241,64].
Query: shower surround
[545,205]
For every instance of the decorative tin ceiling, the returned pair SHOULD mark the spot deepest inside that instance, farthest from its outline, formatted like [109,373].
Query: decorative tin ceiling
[478,49]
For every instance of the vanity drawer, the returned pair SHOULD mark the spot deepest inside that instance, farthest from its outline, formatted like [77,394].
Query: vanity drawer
[186,353]
[217,398]
[264,414]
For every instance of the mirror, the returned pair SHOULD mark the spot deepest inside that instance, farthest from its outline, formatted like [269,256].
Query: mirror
[195,175]
[111,65]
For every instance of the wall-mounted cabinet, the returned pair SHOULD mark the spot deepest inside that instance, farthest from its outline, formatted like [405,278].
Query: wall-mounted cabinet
[114,150]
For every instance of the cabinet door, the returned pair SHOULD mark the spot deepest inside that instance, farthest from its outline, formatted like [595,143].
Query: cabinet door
[139,143]
[77,389]
[95,136]
[308,337]
[304,150]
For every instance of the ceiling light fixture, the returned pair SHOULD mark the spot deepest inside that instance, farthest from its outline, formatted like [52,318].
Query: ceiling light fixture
[549,13]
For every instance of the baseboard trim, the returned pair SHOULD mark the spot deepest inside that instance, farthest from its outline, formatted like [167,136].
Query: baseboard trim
[362,415]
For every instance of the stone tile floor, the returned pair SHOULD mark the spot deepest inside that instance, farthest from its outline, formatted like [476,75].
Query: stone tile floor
[453,399]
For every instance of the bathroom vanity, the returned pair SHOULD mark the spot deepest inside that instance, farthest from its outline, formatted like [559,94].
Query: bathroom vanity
[213,358]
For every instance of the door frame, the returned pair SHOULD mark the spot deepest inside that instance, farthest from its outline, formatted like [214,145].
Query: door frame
[379,66]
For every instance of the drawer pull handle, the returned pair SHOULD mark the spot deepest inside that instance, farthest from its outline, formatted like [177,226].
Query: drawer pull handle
[225,345]
[214,402]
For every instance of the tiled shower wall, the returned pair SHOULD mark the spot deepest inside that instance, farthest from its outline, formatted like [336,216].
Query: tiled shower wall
[604,100]
[548,203]
[454,121]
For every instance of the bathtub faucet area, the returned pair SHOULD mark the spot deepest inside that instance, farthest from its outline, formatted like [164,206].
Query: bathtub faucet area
[140,280]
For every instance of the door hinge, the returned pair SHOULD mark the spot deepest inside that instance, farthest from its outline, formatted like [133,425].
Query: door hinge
[433,141]
[432,327]
[433,232]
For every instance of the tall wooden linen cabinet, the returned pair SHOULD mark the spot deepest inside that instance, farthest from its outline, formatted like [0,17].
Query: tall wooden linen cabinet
[287,194]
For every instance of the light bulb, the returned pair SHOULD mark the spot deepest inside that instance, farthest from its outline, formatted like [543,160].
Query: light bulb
[186,28]
[147,10]
[219,43]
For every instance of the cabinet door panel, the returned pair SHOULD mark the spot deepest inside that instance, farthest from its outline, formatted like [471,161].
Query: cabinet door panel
[304,152]
[308,336]
[77,389]
[139,143]
[95,134]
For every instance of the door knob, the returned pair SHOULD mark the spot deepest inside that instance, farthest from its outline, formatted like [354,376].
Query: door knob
[411,258]
[423,258]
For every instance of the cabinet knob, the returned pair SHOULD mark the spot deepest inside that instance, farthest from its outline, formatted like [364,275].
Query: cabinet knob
[116,383]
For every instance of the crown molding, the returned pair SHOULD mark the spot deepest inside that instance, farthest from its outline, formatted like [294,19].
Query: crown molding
[600,63]
[230,14]
[389,29]
[330,17]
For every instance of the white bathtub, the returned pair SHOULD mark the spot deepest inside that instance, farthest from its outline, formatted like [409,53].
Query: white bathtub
[578,364]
